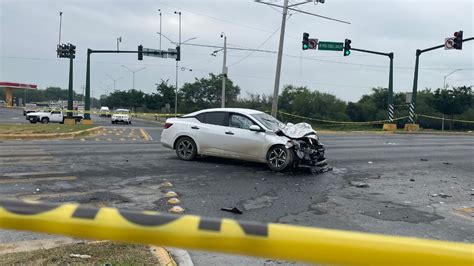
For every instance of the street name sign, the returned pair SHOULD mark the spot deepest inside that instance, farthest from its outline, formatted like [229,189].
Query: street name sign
[330,46]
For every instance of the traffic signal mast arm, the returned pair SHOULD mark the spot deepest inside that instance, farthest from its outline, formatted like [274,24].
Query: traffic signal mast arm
[371,52]
[441,46]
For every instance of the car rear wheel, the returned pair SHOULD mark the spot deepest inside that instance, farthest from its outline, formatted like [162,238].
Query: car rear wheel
[44,120]
[186,149]
[279,158]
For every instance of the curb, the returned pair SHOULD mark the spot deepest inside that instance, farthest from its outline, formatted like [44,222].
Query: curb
[181,257]
[149,121]
[163,256]
[435,133]
[49,135]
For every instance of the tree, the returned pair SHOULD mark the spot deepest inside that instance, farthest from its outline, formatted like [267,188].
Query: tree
[453,101]
[206,93]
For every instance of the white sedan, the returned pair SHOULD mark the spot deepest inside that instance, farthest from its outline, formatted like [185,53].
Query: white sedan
[247,135]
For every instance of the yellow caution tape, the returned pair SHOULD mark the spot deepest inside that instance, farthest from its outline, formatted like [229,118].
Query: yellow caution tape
[344,122]
[447,119]
[278,241]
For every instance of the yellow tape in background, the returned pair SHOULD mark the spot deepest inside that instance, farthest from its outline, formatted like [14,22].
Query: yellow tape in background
[277,241]
[343,122]
[446,119]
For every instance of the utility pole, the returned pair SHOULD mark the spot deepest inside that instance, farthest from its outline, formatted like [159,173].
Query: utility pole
[279,59]
[224,70]
[285,9]
[179,44]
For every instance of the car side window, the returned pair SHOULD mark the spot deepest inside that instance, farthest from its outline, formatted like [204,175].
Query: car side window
[200,117]
[215,118]
[240,121]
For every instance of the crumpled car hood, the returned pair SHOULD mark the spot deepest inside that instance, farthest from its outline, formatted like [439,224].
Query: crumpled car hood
[297,131]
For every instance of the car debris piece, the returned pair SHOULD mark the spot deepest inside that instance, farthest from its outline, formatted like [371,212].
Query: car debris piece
[358,184]
[423,160]
[232,210]
[442,195]
[80,256]
[446,163]
[370,162]
[412,179]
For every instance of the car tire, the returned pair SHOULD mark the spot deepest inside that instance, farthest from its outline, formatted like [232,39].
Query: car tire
[33,121]
[129,122]
[279,158]
[44,120]
[113,122]
[186,149]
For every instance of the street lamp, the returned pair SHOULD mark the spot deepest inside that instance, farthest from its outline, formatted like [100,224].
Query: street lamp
[133,73]
[159,10]
[113,79]
[119,40]
[444,84]
[185,68]
[179,44]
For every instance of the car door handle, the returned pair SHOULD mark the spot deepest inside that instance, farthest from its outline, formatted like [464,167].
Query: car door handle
[230,133]
[194,127]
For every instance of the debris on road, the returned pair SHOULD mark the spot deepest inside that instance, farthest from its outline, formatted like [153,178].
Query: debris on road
[232,210]
[412,179]
[166,184]
[171,194]
[174,201]
[423,160]
[176,209]
[370,162]
[359,184]
[80,256]
[446,163]
[442,195]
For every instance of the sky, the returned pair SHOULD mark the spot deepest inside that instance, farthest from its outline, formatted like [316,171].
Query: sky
[29,33]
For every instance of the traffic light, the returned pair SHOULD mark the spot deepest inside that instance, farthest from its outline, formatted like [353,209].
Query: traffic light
[63,51]
[347,47]
[458,40]
[140,52]
[305,41]
[178,53]
[72,51]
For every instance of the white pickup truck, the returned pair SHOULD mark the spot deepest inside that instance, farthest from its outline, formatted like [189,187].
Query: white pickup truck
[53,116]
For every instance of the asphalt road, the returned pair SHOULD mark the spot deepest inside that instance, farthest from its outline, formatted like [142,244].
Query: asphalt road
[417,184]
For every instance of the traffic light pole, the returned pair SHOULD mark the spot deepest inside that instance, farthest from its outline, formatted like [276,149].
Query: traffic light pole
[70,89]
[391,108]
[415,80]
[87,104]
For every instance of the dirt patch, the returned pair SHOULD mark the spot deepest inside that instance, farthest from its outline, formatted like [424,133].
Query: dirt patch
[102,253]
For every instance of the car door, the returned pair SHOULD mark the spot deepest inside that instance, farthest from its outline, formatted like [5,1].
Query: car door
[56,116]
[241,141]
[209,132]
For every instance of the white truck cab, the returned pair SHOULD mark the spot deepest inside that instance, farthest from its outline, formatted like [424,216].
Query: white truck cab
[53,116]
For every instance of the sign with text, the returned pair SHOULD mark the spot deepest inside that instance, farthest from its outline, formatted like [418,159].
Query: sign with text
[330,46]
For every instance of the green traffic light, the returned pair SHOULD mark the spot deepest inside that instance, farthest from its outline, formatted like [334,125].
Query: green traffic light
[305,46]
[347,52]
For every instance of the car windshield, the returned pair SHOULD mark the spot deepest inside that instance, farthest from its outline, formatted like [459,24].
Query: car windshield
[268,121]
[121,111]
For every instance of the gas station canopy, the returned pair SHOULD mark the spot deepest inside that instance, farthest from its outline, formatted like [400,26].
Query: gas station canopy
[9,86]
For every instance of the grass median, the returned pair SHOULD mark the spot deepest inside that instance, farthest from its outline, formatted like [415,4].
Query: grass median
[102,253]
[21,129]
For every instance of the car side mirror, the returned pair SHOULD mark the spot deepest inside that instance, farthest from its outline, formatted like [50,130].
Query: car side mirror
[255,128]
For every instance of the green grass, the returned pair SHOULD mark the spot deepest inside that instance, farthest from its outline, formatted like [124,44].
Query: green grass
[101,253]
[40,128]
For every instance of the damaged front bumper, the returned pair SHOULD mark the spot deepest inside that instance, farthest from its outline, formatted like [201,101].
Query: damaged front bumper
[309,153]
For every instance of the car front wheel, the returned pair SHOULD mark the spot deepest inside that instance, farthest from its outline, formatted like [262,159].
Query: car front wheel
[186,149]
[44,120]
[279,158]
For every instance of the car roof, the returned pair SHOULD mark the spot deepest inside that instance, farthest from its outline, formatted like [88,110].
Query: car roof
[233,110]
[122,110]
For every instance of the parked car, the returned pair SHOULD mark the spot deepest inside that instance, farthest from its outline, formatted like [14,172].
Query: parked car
[30,108]
[54,116]
[122,115]
[105,111]
[245,134]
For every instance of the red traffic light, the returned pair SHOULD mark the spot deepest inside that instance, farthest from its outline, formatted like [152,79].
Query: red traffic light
[456,34]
